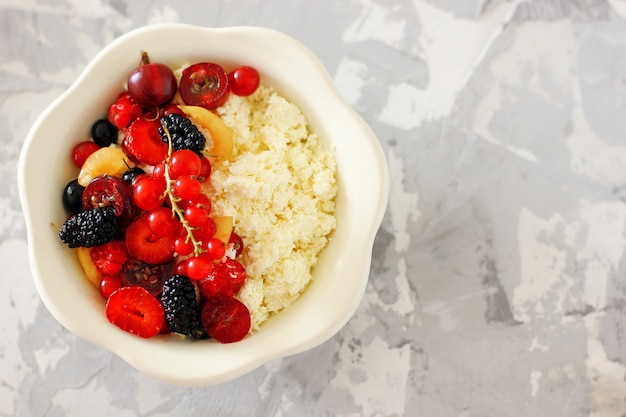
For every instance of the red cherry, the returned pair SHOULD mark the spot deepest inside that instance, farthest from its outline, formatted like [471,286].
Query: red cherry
[244,80]
[109,191]
[204,84]
[149,276]
[225,318]
[81,152]
[152,84]
[237,243]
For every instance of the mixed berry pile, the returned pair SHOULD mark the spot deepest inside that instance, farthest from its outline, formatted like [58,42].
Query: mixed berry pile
[139,219]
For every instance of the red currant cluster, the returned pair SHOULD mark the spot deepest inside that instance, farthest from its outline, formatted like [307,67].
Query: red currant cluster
[165,220]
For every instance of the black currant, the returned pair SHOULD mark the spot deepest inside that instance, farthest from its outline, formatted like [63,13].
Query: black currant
[103,133]
[73,196]
[130,175]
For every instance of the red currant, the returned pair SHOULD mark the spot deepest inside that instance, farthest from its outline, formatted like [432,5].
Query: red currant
[159,170]
[196,216]
[109,284]
[205,170]
[198,267]
[215,248]
[162,222]
[183,246]
[244,80]
[148,192]
[187,187]
[201,201]
[207,230]
[81,152]
[185,162]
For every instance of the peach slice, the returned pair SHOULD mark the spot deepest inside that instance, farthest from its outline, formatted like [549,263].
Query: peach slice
[89,267]
[221,135]
[110,161]
[224,228]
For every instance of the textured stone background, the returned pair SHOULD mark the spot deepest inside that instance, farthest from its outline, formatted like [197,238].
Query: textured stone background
[498,282]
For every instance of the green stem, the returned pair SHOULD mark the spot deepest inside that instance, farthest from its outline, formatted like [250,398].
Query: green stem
[197,249]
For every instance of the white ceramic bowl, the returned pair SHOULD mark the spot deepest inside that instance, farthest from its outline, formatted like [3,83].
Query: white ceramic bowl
[341,274]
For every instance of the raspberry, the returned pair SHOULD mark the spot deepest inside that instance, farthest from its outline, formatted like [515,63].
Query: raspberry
[110,257]
[89,228]
[183,133]
[226,278]
[182,313]
[123,111]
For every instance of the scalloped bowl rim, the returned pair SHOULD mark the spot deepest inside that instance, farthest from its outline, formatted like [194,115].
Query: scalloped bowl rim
[341,275]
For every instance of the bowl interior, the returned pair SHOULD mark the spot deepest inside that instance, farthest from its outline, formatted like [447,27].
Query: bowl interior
[341,274]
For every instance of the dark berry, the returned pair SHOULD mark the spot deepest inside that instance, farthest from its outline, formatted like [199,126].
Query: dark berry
[73,196]
[182,313]
[183,133]
[103,133]
[89,228]
[131,174]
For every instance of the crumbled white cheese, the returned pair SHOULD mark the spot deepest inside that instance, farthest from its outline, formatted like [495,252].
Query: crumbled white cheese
[280,187]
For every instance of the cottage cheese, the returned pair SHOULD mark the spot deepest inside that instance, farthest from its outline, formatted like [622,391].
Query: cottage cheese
[280,187]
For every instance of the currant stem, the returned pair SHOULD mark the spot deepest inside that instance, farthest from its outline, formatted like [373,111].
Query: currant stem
[197,249]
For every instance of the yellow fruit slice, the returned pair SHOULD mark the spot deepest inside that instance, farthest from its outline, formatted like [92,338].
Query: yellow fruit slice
[221,135]
[104,161]
[224,228]
[91,272]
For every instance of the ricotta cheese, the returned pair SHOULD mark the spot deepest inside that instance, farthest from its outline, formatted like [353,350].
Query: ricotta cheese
[280,187]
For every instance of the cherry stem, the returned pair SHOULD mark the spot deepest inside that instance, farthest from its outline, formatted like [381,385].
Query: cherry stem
[145,58]
[197,249]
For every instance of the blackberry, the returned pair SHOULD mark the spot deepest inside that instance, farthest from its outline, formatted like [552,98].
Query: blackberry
[90,228]
[182,313]
[184,134]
